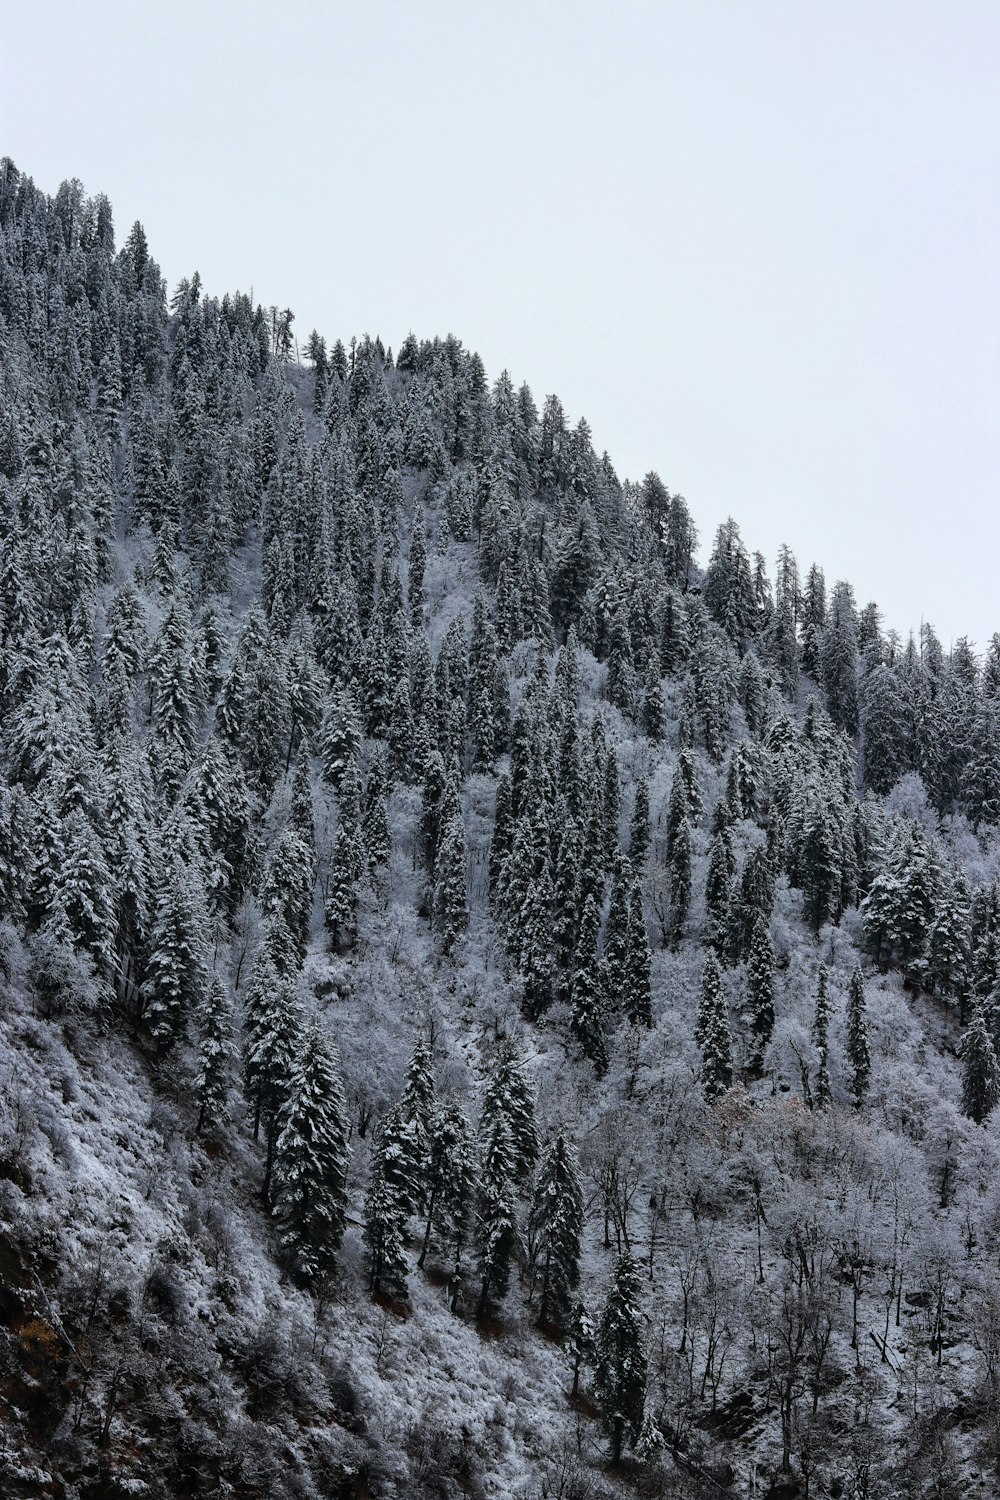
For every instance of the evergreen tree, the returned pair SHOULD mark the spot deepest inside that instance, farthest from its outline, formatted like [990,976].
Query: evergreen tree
[821,1037]
[176,970]
[215,1050]
[580,1342]
[718,892]
[760,990]
[449,1180]
[637,996]
[509,1093]
[556,1226]
[450,903]
[679,873]
[340,907]
[712,1032]
[586,990]
[498,1235]
[272,1045]
[620,1358]
[386,1213]
[980,1070]
[311,1159]
[640,831]
[858,1054]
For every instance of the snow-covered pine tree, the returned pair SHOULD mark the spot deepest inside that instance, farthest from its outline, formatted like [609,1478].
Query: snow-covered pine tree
[760,990]
[858,1052]
[215,1055]
[620,1363]
[980,1070]
[637,997]
[555,1226]
[449,1181]
[821,1037]
[450,904]
[311,1156]
[498,1234]
[712,1032]
[587,988]
[177,967]
[386,1214]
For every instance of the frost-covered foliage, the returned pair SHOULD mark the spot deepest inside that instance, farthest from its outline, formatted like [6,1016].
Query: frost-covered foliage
[490,1008]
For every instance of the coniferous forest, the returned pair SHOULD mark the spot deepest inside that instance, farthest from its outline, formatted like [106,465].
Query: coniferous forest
[500,994]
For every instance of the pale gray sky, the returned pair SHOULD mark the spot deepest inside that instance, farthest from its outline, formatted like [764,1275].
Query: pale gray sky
[756,244]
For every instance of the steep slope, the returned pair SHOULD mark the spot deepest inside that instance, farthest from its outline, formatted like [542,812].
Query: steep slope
[490,1007]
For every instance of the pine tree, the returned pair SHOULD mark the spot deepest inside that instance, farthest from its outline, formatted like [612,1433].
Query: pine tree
[498,1236]
[311,1159]
[718,893]
[287,889]
[620,1357]
[509,1093]
[556,1226]
[640,831]
[858,1054]
[449,1180]
[712,1032]
[450,902]
[272,1044]
[821,1037]
[616,933]
[587,990]
[679,873]
[580,1342]
[376,817]
[215,1051]
[980,1070]
[637,998]
[386,1213]
[760,990]
[416,1109]
[340,738]
[176,971]
[340,907]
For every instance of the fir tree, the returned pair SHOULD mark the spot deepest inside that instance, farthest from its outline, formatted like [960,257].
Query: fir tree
[712,1032]
[679,873]
[509,1093]
[556,1225]
[760,990]
[638,1004]
[176,971]
[215,1050]
[450,902]
[980,1070]
[272,1044]
[386,1213]
[311,1159]
[640,831]
[450,1180]
[858,1054]
[587,990]
[620,1358]
[498,1236]
[821,1037]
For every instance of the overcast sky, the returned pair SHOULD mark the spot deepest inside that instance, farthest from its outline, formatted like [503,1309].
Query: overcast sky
[756,244]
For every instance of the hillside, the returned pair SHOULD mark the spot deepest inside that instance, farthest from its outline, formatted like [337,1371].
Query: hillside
[498,1000]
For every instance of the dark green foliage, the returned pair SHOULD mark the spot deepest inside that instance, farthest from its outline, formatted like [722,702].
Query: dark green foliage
[620,1358]
[858,1053]
[555,1225]
[980,1070]
[760,989]
[712,1032]
[311,1159]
